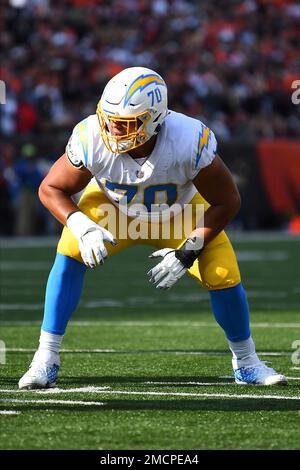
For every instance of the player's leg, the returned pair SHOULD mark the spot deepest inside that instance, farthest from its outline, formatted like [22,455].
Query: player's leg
[63,291]
[217,270]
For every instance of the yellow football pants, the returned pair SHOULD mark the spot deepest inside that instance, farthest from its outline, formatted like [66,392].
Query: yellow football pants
[216,267]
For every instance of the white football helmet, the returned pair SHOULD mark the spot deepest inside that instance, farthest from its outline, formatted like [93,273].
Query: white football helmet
[136,100]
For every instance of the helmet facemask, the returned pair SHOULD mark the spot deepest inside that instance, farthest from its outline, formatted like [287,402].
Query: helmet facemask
[135,131]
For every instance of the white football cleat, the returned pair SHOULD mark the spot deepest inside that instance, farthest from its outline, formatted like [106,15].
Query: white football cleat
[259,374]
[42,372]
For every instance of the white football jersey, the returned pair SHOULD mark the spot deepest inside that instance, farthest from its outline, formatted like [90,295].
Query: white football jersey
[150,185]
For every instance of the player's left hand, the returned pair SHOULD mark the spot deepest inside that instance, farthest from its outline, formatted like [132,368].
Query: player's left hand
[166,273]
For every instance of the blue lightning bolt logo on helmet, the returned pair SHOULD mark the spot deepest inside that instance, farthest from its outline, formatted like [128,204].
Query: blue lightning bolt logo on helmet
[141,83]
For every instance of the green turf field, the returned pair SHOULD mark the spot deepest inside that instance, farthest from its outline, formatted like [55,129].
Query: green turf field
[144,369]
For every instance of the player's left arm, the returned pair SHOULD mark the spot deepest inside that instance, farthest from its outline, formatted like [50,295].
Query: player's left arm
[215,183]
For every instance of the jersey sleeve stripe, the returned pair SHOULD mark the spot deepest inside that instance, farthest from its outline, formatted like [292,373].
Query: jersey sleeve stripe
[82,129]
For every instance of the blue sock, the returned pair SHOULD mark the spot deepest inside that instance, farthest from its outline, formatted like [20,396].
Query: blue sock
[62,293]
[231,311]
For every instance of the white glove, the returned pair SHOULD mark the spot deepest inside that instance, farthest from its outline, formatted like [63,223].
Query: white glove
[91,237]
[168,271]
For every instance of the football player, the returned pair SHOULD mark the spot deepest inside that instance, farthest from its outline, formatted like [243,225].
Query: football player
[135,150]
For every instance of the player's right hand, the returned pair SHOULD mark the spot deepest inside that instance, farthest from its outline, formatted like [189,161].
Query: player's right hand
[92,248]
[91,238]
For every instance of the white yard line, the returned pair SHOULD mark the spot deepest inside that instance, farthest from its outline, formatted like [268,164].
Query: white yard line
[145,393]
[55,390]
[72,351]
[199,395]
[58,402]
[9,412]
[201,384]
[150,351]
[223,353]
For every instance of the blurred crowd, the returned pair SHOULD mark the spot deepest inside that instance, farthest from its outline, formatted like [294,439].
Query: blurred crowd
[21,213]
[230,63]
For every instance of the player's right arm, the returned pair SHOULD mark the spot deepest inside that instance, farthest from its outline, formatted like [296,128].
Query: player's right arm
[60,184]
[68,176]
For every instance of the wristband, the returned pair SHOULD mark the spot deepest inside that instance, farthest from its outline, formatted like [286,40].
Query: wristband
[80,224]
[189,251]
[73,212]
